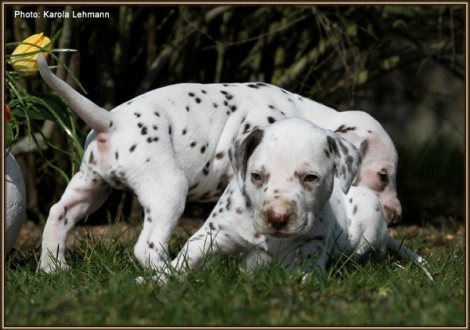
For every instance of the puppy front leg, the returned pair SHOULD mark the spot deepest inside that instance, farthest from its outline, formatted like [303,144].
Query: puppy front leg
[312,256]
[208,240]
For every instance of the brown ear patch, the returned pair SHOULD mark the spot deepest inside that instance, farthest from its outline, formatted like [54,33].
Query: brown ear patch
[245,149]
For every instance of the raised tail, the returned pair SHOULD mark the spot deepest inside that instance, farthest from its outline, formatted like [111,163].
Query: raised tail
[94,116]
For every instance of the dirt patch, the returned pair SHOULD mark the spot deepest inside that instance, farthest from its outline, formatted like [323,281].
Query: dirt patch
[430,237]
[31,234]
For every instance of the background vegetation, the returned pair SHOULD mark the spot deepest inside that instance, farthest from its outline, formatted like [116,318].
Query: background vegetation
[403,64]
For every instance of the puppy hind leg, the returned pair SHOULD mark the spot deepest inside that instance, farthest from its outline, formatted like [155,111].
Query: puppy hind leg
[82,196]
[163,199]
[405,251]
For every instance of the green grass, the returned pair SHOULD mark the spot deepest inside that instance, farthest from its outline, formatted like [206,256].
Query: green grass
[385,291]
[101,290]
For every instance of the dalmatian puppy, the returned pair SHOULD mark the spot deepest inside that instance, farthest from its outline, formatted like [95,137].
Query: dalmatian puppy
[291,201]
[169,146]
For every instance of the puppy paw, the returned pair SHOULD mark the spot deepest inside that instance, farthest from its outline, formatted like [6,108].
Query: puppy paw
[141,280]
[161,279]
[50,266]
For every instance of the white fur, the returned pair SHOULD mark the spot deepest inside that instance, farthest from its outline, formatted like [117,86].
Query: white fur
[170,146]
[275,211]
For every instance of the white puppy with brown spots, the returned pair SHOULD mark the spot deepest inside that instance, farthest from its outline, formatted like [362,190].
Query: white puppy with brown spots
[292,201]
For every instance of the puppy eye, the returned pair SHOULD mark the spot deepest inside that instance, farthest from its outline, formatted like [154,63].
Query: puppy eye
[310,178]
[256,176]
[383,176]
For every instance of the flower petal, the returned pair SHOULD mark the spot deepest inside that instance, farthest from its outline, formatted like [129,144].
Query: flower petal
[30,62]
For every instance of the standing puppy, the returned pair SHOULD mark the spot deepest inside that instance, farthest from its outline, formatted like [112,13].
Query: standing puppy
[292,201]
[170,145]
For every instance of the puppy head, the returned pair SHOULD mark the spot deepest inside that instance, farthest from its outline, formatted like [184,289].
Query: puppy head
[286,171]
[379,160]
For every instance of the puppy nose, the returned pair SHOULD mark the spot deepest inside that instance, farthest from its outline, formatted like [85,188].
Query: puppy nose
[392,216]
[277,220]
[395,218]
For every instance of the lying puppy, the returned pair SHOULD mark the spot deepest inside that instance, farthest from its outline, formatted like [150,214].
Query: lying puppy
[292,201]
[169,146]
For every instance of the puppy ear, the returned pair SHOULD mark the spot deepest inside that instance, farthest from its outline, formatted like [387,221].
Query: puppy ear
[361,143]
[347,159]
[241,150]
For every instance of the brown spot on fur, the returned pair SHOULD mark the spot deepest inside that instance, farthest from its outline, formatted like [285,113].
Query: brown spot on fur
[91,160]
[247,127]
[343,147]
[333,148]
[344,129]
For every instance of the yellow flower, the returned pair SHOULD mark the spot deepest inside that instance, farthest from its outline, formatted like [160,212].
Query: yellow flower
[29,62]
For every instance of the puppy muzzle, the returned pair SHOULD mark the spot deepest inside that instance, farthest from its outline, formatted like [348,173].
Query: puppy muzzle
[277,218]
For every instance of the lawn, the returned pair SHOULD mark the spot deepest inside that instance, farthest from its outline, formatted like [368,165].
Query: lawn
[101,289]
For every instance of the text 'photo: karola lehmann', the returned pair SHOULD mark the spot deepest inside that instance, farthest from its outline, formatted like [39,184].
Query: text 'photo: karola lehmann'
[60,14]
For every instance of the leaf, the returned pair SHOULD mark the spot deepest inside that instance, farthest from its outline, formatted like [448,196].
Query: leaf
[8,133]
[36,111]
[352,30]
[390,63]
[362,76]
[409,11]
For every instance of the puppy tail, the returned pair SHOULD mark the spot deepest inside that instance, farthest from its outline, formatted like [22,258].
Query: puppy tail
[405,251]
[94,116]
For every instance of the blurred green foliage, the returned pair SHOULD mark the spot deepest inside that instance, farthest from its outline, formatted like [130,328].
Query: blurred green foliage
[338,55]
